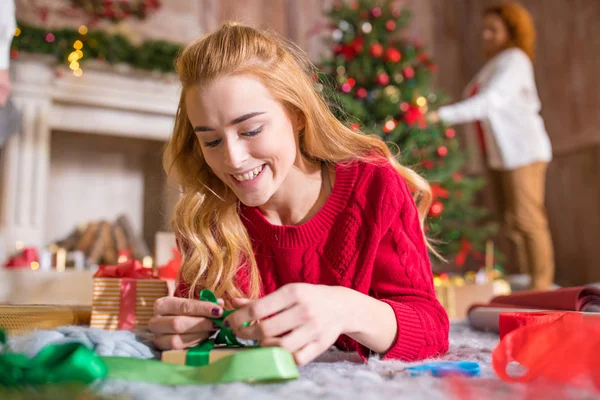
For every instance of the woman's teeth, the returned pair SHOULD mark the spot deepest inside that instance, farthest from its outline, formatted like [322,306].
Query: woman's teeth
[249,175]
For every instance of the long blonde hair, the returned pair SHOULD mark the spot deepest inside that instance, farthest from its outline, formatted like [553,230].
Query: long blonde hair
[212,237]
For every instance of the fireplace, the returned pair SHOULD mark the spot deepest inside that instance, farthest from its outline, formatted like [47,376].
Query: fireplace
[89,149]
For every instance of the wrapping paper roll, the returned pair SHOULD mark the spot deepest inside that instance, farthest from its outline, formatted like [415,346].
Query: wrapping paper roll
[509,321]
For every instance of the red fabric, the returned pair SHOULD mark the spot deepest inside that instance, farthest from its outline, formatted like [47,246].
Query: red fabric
[478,126]
[366,237]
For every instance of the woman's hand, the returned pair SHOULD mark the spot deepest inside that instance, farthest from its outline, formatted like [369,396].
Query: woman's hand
[433,117]
[302,318]
[181,323]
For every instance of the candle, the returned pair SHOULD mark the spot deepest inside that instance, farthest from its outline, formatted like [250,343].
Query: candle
[61,259]
[147,262]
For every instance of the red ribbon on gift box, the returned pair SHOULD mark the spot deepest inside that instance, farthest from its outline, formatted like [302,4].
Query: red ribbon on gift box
[129,272]
[23,259]
[171,269]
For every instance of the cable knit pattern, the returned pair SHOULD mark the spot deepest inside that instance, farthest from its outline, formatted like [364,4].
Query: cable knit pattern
[367,237]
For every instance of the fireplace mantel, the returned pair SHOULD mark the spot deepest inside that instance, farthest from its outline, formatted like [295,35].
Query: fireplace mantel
[106,100]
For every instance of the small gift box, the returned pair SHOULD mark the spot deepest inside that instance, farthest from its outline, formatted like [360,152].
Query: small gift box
[124,296]
[222,345]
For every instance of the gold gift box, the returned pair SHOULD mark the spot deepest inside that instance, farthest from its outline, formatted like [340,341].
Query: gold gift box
[107,298]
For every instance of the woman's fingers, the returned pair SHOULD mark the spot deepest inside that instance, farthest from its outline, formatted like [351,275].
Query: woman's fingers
[180,324]
[190,307]
[179,342]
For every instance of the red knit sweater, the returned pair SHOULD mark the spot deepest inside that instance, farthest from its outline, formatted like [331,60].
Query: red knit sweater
[366,237]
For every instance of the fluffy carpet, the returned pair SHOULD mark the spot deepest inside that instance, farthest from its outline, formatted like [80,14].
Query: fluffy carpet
[335,375]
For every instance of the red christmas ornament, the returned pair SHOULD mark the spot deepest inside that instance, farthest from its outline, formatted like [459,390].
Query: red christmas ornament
[422,57]
[361,93]
[354,126]
[351,82]
[427,164]
[457,177]
[413,115]
[358,44]
[450,133]
[376,50]
[376,12]
[346,88]
[439,192]
[408,72]
[390,25]
[14,54]
[383,79]
[436,209]
[393,55]
[442,151]
[432,67]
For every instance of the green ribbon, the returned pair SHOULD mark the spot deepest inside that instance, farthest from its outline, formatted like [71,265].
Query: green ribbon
[67,362]
[73,362]
[200,354]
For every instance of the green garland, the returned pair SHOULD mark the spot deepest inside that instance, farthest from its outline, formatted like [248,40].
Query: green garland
[152,55]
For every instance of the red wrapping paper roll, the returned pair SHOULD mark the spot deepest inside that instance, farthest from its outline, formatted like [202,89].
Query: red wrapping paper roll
[509,321]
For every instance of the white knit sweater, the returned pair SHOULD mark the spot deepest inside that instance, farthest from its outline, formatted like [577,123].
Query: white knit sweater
[508,106]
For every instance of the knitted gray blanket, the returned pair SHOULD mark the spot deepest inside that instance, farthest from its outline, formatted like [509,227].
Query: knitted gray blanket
[335,375]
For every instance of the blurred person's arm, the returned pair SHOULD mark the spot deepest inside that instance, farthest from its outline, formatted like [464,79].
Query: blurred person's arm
[7,30]
[504,84]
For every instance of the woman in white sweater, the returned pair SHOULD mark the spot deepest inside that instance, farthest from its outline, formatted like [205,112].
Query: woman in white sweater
[503,106]
[7,30]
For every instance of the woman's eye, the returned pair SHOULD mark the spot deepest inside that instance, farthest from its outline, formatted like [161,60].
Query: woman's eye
[214,143]
[253,133]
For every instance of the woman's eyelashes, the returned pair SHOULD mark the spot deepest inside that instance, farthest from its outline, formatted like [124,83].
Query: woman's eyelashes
[215,143]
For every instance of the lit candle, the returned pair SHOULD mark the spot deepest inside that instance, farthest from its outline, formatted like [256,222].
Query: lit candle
[147,262]
[61,259]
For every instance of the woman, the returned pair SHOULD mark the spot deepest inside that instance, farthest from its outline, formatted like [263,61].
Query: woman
[307,227]
[504,104]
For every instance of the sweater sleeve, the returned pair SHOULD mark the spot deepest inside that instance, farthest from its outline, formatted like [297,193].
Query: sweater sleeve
[402,278]
[504,84]
[7,30]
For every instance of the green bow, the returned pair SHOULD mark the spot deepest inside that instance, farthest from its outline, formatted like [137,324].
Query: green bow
[200,354]
[67,362]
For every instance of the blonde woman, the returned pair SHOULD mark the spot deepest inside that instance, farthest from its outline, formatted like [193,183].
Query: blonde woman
[504,106]
[305,226]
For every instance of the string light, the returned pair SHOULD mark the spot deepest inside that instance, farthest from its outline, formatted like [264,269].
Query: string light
[78,72]
[421,101]
[74,65]
[77,54]
[17,31]
[78,45]
[34,265]
[83,30]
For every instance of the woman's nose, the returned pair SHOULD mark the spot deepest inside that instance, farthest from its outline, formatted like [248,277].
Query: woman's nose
[235,155]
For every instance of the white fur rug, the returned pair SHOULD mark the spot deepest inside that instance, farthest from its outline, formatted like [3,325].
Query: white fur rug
[335,375]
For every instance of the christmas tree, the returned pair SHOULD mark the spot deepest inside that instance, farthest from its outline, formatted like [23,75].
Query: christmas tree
[382,85]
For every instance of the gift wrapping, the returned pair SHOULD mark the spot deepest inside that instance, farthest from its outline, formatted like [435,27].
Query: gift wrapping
[457,299]
[19,319]
[181,356]
[124,296]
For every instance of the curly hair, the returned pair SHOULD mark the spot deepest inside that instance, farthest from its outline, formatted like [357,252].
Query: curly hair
[519,23]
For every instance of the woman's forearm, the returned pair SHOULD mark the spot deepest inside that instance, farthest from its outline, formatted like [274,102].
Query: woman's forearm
[369,321]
